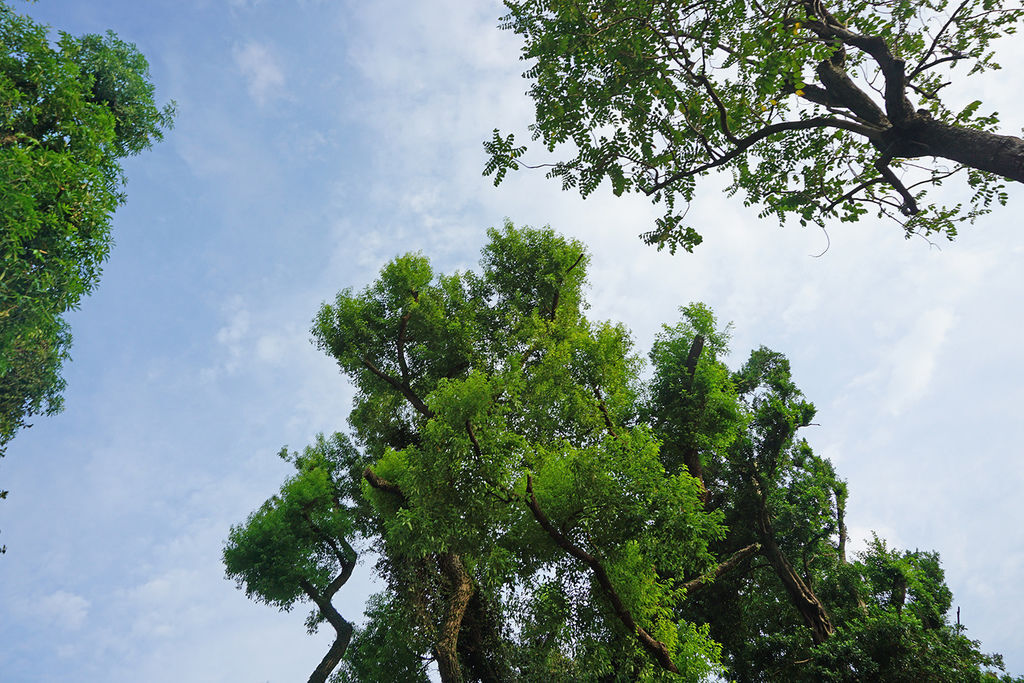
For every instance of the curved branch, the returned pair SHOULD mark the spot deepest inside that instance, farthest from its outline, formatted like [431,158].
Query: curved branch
[743,144]
[897,106]
[909,207]
[341,626]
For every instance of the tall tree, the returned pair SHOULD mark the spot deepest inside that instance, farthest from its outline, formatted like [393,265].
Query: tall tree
[541,512]
[69,112]
[819,109]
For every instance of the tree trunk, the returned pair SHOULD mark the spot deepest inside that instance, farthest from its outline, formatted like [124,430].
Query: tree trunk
[341,626]
[461,588]
[333,656]
[921,136]
[481,646]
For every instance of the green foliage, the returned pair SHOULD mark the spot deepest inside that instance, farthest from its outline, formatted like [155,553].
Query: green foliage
[68,113]
[295,535]
[649,95]
[545,510]
[385,650]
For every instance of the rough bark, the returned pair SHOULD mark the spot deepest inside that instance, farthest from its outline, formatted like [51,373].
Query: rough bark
[332,658]
[461,590]
[342,627]
[904,132]
[1002,155]
[481,647]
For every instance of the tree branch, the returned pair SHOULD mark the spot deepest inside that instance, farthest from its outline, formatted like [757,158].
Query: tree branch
[401,387]
[461,591]
[382,484]
[725,567]
[909,207]
[743,144]
[655,647]
[604,412]
[558,290]
[341,626]
[935,43]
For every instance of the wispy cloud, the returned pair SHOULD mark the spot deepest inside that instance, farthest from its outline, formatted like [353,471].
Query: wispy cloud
[261,70]
[64,608]
[914,357]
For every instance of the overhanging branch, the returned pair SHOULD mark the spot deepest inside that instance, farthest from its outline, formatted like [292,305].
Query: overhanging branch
[743,144]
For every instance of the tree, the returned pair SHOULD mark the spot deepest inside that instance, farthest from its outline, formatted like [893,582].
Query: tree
[818,109]
[68,113]
[296,547]
[544,510]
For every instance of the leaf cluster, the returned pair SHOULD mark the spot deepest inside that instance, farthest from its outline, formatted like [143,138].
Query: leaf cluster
[808,105]
[69,111]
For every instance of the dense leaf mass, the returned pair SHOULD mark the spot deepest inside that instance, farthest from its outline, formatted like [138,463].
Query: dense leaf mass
[544,507]
[819,110]
[69,111]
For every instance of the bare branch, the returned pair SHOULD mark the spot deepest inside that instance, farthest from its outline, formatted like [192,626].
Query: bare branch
[935,43]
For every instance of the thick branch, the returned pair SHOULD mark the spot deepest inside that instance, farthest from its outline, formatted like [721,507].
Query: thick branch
[341,626]
[897,106]
[461,592]
[909,207]
[346,556]
[655,647]
[841,88]
[803,597]
[382,484]
[735,560]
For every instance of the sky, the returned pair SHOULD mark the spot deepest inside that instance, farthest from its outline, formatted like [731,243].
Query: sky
[315,141]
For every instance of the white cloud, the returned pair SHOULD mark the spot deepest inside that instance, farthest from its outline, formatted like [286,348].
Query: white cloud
[64,609]
[914,357]
[263,75]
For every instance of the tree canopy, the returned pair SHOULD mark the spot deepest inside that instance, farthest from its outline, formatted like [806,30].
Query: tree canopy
[821,110]
[544,506]
[69,111]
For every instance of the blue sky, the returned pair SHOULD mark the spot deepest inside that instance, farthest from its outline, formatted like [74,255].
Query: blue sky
[315,141]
